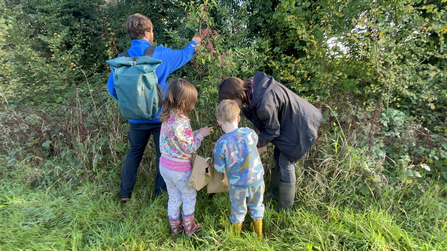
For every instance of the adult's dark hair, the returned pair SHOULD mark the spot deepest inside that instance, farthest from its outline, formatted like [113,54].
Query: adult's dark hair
[234,88]
[137,25]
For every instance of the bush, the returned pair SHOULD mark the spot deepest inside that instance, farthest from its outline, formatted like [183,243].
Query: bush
[346,58]
[46,46]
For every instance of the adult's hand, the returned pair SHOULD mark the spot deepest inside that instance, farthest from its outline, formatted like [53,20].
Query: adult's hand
[197,39]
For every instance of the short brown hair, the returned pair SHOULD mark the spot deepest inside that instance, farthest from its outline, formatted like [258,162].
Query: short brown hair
[227,111]
[137,25]
[234,88]
[181,95]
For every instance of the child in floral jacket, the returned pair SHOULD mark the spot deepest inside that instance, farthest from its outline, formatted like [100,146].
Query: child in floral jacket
[177,144]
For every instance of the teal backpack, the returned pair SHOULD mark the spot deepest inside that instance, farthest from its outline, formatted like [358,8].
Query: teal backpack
[136,84]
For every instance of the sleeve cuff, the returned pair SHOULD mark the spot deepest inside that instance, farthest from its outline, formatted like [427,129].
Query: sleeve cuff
[193,44]
[199,136]
[261,144]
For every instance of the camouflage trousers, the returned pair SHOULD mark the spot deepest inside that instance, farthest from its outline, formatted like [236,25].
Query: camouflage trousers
[242,197]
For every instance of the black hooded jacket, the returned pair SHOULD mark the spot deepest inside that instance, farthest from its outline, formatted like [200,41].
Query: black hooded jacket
[282,117]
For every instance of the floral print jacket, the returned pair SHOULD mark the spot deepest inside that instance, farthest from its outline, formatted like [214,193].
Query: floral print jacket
[177,140]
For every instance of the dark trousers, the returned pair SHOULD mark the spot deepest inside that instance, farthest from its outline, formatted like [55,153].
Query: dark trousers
[138,137]
[286,167]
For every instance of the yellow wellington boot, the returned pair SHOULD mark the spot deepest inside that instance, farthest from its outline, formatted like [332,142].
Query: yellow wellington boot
[237,227]
[257,225]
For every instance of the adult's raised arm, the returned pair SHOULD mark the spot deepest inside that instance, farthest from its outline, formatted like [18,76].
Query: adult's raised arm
[178,58]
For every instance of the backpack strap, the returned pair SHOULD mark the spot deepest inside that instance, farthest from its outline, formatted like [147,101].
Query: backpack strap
[124,54]
[149,51]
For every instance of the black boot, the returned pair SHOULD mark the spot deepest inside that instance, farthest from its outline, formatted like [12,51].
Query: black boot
[286,197]
[275,179]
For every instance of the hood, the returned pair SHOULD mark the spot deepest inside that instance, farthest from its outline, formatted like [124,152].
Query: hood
[262,84]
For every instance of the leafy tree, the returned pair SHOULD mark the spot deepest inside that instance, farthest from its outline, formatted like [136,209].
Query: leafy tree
[46,45]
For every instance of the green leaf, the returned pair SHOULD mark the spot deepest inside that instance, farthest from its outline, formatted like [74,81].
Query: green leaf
[46,144]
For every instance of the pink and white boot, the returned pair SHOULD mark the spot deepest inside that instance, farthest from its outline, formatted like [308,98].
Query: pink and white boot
[190,225]
[176,225]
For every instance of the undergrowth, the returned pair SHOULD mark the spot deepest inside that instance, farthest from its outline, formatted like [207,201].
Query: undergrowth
[60,177]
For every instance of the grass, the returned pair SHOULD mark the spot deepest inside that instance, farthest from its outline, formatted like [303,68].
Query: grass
[90,217]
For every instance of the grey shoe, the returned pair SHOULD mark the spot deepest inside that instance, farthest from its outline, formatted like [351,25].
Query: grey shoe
[286,197]
[275,179]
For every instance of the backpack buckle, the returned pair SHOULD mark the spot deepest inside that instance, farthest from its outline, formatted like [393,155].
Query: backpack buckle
[134,62]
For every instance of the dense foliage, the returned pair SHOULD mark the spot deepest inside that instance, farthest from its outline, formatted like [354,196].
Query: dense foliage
[376,69]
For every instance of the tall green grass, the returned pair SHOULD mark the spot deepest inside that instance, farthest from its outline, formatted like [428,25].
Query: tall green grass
[90,217]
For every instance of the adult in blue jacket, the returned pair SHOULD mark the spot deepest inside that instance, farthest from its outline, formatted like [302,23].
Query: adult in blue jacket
[140,30]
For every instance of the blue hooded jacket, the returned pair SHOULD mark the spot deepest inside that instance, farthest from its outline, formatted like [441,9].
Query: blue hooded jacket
[171,60]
